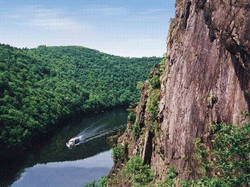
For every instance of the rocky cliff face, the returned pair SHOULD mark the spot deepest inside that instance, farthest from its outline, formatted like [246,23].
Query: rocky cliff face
[206,80]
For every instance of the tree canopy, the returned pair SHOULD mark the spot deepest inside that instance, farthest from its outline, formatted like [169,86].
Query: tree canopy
[42,85]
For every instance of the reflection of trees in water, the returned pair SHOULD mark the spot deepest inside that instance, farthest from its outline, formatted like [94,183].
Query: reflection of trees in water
[97,127]
[91,146]
[103,133]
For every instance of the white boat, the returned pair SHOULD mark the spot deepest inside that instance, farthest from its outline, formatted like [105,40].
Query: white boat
[73,142]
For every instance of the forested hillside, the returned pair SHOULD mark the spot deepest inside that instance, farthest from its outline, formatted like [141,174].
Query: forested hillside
[42,85]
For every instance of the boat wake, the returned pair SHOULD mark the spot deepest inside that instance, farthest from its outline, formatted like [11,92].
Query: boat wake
[104,132]
[95,130]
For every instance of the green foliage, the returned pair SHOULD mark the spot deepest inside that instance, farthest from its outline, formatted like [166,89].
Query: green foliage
[102,182]
[211,97]
[131,117]
[153,102]
[232,153]
[203,182]
[134,124]
[171,172]
[91,184]
[154,127]
[140,173]
[246,114]
[154,90]
[155,81]
[139,85]
[40,86]
[135,129]
[229,161]
[112,140]
[132,114]
[118,152]
[202,154]
[169,181]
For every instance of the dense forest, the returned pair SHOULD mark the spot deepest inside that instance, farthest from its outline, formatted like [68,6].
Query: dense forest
[40,86]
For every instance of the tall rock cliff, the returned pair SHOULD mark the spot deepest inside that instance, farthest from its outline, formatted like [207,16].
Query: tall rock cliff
[205,80]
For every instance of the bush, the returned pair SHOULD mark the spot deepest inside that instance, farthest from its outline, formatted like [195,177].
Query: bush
[135,129]
[102,182]
[228,164]
[131,117]
[169,181]
[153,102]
[112,140]
[118,152]
[155,81]
[91,184]
[205,181]
[232,153]
[141,174]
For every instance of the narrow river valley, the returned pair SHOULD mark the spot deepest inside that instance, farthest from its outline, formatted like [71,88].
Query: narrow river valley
[55,165]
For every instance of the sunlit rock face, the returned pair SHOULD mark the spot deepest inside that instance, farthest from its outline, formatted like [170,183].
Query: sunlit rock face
[207,75]
[206,81]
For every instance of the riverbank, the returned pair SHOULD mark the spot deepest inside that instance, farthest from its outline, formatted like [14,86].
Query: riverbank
[54,145]
[36,141]
[43,86]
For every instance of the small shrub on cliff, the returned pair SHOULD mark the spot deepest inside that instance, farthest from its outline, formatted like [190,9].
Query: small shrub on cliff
[155,81]
[112,140]
[135,129]
[118,152]
[102,183]
[232,153]
[203,182]
[134,125]
[140,174]
[153,102]
[139,86]
[91,184]
[169,181]
[228,164]
[131,117]
[246,114]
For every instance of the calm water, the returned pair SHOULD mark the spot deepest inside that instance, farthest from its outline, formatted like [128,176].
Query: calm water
[56,165]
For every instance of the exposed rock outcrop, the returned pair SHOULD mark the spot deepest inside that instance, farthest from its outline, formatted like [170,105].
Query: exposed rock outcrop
[206,81]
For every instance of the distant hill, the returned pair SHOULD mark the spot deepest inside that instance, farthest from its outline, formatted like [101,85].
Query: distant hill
[42,85]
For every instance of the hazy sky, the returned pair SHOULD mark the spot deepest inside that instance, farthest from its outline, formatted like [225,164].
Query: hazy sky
[121,27]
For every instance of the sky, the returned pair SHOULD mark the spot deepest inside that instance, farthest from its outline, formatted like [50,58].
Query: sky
[129,28]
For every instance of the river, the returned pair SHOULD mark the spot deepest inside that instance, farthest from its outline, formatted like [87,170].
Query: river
[55,165]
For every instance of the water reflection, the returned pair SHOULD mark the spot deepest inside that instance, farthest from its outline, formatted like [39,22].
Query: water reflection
[95,131]
[54,164]
[94,144]
[68,173]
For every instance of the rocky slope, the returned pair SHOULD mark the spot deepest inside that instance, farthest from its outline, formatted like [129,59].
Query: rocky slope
[205,81]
